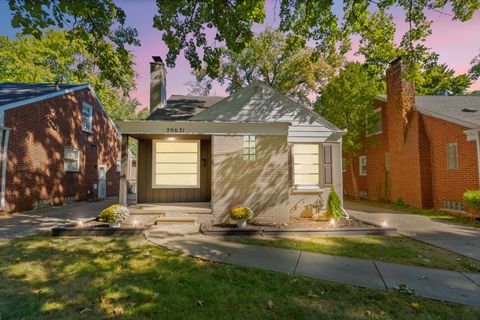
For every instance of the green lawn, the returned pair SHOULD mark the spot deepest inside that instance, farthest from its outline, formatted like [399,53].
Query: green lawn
[127,278]
[434,214]
[395,249]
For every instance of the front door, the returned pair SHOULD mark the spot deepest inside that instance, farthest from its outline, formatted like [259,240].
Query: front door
[102,181]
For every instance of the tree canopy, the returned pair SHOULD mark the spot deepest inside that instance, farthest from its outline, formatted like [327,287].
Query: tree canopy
[57,57]
[98,24]
[281,61]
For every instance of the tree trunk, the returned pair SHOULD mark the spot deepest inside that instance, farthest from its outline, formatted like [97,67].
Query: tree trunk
[356,195]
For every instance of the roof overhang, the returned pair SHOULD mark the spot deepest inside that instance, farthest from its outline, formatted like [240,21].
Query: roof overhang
[156,127]
[472,134]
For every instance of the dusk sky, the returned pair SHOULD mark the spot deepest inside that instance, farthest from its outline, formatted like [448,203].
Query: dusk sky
[456,42]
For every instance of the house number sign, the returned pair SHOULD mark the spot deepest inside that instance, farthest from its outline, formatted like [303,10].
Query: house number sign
[175,130]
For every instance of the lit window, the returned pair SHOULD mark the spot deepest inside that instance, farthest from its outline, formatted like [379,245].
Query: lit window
[378,123]
[249,148]
[452,157]
[71,159]
[87,117]
[362,161]
[306,165]
[176,164]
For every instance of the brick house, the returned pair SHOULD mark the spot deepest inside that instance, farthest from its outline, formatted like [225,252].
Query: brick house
[424,149]
[255,147]
[57,145]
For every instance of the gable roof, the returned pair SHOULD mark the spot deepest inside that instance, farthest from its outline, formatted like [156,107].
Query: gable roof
[13,92]
[242,106]
[462,110]
[183,107]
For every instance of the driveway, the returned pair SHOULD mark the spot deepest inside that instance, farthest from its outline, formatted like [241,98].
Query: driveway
[31,222]
[454,237]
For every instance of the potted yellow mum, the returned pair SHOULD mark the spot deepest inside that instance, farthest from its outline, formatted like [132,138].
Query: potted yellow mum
[114,215]
[241,215]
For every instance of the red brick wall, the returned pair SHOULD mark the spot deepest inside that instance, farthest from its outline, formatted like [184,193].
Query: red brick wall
[375,148]
[416,144]
[450,184]
[39,132]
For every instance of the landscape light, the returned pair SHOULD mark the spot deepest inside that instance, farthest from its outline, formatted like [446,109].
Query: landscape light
[135,222]
[80,222]
[384,223]
[332,222]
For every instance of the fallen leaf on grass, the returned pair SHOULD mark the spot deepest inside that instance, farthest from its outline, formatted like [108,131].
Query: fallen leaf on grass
[198,303]
[311,294]
[85,310]
[415,306]
[269,304]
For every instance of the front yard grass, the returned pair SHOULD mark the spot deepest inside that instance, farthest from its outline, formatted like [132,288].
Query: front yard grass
[396,249]
[431,213]
[128,278]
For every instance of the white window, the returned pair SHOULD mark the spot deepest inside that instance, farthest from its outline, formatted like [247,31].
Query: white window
[378,123]
[249,148]
[362,161]
[119,164]
[87,117]
[71,159]
[306,165]
[176,164]
[452,156]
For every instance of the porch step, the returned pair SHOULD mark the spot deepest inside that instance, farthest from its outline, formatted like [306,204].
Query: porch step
[171,208]
[175,219]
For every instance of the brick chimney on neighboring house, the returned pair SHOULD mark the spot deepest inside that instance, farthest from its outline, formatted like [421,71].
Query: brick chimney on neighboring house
[158,84]
[409,149]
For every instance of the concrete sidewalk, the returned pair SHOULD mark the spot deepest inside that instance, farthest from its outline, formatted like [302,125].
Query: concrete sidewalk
[32,222]
[436,284]
[454,237]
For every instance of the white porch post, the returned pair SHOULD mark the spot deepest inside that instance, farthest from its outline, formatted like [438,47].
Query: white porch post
[122,194]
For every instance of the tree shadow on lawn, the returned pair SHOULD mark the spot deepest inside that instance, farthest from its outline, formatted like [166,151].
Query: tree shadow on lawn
[127,278]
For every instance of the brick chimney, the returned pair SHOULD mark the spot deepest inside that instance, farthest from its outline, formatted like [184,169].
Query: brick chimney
[409,149]
[158,84]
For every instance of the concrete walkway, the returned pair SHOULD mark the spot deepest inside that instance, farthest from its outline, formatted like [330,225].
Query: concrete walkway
[32,222]
[454,237]
[436,284]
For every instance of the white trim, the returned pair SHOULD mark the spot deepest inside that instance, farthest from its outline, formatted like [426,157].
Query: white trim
[78,159]
[157,186]
[4,167]
[360,171]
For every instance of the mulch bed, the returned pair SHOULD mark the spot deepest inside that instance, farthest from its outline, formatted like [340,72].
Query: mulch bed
[96,228]
[300,226]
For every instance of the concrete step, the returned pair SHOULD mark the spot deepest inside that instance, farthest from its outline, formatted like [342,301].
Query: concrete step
[175,219]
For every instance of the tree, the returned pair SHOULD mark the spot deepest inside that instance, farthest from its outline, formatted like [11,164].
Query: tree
[186,23]
[281,61]
[57,57]
[98,24]
[346,101]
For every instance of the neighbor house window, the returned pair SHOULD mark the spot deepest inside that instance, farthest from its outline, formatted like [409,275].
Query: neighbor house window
[452,157]
[176,164]
[454,205]
[362,161]
[119,164]
[306,165]
[71,159]
[249,152]
[87,117]
[378,123]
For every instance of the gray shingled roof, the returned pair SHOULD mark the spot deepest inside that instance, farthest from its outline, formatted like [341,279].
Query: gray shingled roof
[462,110]
[183,107]
[13,92]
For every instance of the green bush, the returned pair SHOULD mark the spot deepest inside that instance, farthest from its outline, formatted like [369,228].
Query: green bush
[334,206]
[401,203]
[472,199]
[241,213]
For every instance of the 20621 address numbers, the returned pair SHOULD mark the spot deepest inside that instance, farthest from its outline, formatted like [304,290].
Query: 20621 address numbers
[175,130]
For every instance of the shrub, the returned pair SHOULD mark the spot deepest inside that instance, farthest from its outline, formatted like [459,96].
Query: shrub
[401,203]
[472,199]
[241,213]
[114,213]
[334,206]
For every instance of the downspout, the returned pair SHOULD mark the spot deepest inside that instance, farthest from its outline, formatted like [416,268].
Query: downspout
[478,155]
[4,167]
